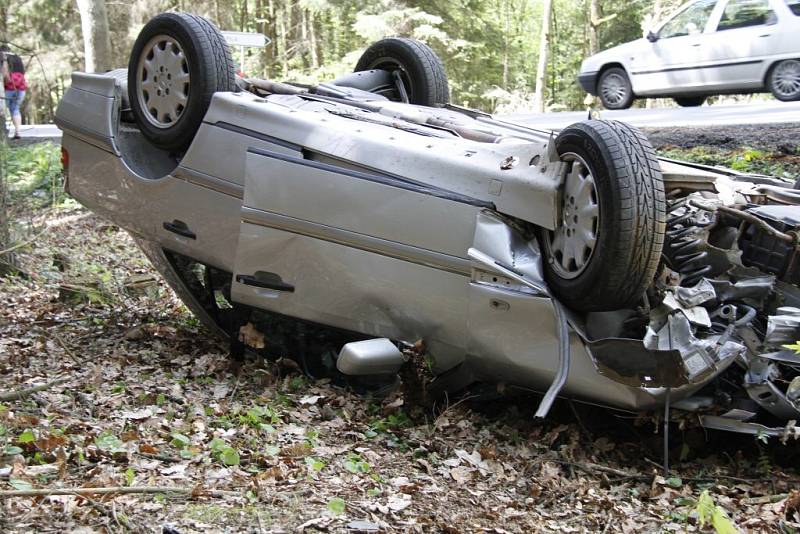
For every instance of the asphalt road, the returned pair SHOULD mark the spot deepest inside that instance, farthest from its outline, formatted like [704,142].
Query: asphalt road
[774,112]
[765,113]
[38,131]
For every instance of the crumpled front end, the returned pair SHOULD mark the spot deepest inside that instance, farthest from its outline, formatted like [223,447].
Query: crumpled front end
[727,298]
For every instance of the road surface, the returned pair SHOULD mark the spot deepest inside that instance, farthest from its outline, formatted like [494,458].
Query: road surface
[774,112]
[47,131]
[718,115]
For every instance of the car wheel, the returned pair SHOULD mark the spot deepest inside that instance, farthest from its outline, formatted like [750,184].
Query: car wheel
[416,69]
[690,101]
[784,80]
[605,251]
[178,62]
[614,89]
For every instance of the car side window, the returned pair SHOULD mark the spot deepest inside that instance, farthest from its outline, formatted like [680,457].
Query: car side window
[745,13]
[794,6]
[691,21]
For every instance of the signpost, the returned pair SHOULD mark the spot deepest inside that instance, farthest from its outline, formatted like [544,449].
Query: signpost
[246,40]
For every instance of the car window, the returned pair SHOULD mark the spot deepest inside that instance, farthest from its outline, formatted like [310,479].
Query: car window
[744,13]
[690,21]
[794,6]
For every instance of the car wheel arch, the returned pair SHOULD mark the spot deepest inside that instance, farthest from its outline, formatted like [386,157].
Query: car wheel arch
[612,65]
[770,67]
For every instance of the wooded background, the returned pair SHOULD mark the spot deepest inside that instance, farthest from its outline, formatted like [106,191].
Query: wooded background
[490,47]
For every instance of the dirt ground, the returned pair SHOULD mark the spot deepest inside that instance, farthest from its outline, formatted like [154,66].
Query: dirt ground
[775,138]
[142,403]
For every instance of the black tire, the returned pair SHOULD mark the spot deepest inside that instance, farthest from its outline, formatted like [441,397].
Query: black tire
[783,80]
[629,194]
[611,98]
[420,69]
[203,64]
[690,101]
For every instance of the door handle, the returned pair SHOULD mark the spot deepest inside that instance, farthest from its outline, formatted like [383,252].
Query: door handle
[696,44]
[765,35]
[180,228]
[274,282]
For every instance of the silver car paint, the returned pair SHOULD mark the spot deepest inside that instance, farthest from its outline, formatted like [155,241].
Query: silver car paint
[386,262]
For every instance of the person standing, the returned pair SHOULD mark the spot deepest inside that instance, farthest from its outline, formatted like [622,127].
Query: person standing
[15,85]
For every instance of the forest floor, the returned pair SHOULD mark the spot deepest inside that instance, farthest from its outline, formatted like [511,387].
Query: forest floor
[141,400]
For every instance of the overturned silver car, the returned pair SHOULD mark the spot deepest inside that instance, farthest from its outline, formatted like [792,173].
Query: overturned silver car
[356,224]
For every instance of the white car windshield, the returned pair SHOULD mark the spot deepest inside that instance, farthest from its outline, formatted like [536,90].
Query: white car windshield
[690,21]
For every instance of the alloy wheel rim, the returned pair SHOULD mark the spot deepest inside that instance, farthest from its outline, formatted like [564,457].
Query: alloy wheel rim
[163,78]
[572,244]
[786,78]
[614,89]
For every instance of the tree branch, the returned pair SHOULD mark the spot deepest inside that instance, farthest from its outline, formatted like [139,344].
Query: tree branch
[115,489]
[19,394]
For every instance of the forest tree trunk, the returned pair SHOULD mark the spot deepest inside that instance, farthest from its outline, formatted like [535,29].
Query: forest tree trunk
[544,46]
[594,17]
[6,260]
[96,40]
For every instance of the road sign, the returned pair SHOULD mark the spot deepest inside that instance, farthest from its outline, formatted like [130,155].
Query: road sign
[253,40]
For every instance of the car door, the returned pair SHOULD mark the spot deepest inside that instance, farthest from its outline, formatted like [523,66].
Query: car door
[744,37]
[357,249]
[678,47]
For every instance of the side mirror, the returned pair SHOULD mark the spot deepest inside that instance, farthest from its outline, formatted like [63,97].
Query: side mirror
[652,37]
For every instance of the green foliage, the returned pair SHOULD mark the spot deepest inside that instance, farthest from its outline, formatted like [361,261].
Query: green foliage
[130,475]
[356,464]
[110,443]
[20,484]
[745,160]
[26,437]
[34,174]
[489,47]
[336,506]
[315,465]
[391,422]
[180,441]
[224,452]
[261,418]
[708,512]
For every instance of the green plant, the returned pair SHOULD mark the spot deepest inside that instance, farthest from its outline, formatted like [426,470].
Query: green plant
[108,442]
[34,174]
[224,452]
[336,506]
[356,464]
[130,475]
[708,512]
[261,418]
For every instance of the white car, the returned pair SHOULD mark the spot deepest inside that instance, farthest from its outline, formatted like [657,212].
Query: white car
[707,47]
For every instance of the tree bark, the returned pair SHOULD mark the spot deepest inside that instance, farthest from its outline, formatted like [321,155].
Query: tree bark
[594,17]
[544,46]
[96,40]
[6,260]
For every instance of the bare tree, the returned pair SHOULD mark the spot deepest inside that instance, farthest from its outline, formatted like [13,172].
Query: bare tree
[544,46]
[96,40]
